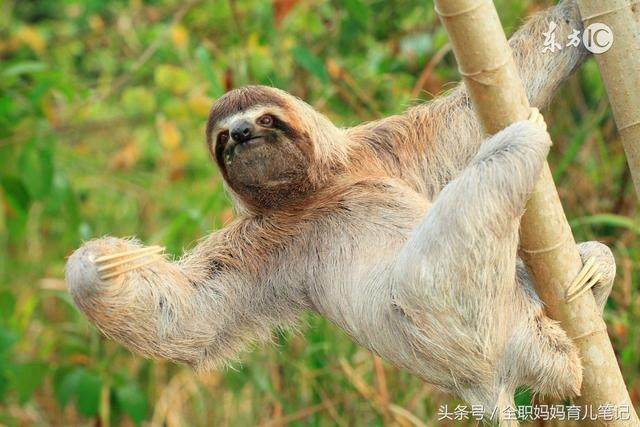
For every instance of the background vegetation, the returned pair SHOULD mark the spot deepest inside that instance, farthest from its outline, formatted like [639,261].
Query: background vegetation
[102,111]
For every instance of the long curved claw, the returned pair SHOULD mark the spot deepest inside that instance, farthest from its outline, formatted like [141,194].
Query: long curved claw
[150,249]
[587,278]
[109,265]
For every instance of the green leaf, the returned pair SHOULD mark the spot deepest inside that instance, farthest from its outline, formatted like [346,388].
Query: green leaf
[310,62]
[4,385]
[590,122]
[133,402]
[65,384]
[7,339]
[26,378]
[593,80]
[522,397]
[36,166]
[62,199]
[236,378]
[16,193]
[610,220]
[7,305]
[8,112]
[80,385]
[88,394]
[357,11]
[27,67]
[19,201]
[206,67]
[629,355]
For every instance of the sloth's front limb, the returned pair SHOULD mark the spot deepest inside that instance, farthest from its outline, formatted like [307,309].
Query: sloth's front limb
[159,308]
[469,236]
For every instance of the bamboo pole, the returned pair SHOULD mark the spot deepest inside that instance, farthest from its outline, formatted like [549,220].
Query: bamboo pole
[547,243]
[620,69]
[635,8]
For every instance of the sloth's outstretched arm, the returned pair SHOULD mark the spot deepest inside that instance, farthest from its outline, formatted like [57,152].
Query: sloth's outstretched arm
[189,311]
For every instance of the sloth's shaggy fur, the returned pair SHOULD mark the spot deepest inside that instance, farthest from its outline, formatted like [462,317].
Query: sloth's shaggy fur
[402,231]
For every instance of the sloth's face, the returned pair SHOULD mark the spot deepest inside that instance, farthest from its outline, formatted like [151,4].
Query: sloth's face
[258,148]
[262,152]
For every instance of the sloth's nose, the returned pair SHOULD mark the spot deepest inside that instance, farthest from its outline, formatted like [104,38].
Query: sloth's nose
[241,131]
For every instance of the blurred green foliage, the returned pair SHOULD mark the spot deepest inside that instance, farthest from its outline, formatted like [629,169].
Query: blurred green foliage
[102,111]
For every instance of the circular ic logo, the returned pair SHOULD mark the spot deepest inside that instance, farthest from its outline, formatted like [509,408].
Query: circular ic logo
[598,38]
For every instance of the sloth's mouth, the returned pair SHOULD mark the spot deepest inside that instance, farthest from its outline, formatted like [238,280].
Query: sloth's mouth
[234,148]
[252,140]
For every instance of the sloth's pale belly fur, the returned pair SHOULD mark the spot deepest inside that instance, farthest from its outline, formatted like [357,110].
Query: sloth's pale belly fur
[361,299]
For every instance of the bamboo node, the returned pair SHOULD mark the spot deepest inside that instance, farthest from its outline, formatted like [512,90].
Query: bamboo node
[630,125]
[544,250]
[473,74]
[588,334]
[461,12]
[605,12]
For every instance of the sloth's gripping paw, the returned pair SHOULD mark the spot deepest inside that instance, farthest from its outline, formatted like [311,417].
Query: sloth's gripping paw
[113,265]
[598,273]
[586,279]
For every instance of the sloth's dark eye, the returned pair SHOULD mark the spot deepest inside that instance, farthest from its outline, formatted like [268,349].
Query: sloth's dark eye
[265,120]
[223,136]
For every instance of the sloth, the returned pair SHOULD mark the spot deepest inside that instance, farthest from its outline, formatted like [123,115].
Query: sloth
[403,232]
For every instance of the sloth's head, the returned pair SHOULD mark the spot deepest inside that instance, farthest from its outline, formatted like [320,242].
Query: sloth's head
[272,148]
